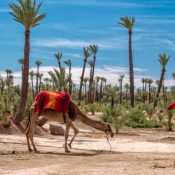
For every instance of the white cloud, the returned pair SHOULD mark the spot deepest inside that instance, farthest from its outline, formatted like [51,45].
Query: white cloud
[112,74]
[62,42]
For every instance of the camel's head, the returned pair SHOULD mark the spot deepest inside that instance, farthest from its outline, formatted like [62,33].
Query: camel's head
[109,131]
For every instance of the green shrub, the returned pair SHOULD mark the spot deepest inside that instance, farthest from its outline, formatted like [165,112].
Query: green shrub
[115,116]
[169,122]
[136,119]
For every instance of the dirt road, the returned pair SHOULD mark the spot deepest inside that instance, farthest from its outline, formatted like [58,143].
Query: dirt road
[136,152]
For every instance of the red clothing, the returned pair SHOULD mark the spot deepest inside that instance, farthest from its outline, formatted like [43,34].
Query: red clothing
[52,100]
[171,106]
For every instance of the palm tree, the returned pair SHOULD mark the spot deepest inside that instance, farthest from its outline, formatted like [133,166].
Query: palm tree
[105,80]
[94,50]
[143,89]
[86,56]
[58,57]
[38,63]
[40,78]
[69,64]
[47,83]
[129,23]
[101,87]
[121,82]
[126,90]
[85,88]
[96,88]
[163,59]
[111,94]
[57,79]
[9,78]
[31,74]
[91,64]
[26,13]
[150,81]
[173,74]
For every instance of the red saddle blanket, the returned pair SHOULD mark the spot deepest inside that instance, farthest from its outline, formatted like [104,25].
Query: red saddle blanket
[171,106]
[52,100]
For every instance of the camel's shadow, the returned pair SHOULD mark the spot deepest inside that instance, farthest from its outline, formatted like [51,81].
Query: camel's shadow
[74,152]
[80,152]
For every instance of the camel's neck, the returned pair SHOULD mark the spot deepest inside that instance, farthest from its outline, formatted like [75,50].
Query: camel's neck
[93,123]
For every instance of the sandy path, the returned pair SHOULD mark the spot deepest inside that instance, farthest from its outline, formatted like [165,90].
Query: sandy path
[131,155]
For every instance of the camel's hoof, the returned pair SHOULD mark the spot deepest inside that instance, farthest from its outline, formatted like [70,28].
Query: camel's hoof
[69,145]
[36,151]
[67,151]
[30,150]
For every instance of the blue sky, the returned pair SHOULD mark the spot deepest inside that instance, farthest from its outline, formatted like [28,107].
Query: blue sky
[73,24]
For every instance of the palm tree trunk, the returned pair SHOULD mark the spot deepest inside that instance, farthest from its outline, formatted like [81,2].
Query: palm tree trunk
[91,81]
[39,84]
[90,86]
[37,77]
[33,93]
[121,95]
[149,93]
[25,76]
[81,82]
[70,82]
[101,90]
[131,71]
[159,87]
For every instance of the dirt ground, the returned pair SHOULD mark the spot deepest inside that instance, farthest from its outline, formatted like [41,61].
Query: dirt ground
[134,152]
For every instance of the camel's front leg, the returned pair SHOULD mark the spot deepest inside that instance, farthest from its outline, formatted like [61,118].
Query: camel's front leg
[76,131]
[68,124]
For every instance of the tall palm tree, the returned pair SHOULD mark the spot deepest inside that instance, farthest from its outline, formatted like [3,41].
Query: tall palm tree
[96,88]
[105,80]
[58,57]
[31,74]
[143,89]
[126,90]
[94,50]
[129,23]
[69,64]
[86,56]
[26,13]
[38,64]
[150,81]
[91,64]
[85,88]
[40,78]
[121,85]
[163,59]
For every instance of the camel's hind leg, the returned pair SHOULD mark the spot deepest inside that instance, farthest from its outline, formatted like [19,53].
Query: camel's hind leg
[68,124]
[30,131]
[76,131]
[27,137]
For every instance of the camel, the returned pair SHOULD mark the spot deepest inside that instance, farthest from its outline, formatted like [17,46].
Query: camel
[71,115]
